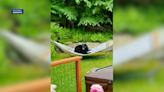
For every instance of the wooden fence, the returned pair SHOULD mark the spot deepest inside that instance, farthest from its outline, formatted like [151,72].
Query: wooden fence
[43,84]
[77,60]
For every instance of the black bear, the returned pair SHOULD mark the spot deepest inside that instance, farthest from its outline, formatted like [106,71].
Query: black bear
[82,49]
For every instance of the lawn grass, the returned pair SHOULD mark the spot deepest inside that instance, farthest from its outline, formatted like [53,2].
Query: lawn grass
[87,63]
[141,85]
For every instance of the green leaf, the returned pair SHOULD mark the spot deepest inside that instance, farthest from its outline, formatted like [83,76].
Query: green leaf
[95,10]
[93,21]
[108,5]
[54,12]
[77,2]
[69,12]
[89,4]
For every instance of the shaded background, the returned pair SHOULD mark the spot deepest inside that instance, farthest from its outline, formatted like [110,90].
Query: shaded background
[132,20]
[33,25]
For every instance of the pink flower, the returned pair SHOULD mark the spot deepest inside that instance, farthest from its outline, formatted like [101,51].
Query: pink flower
[96,88]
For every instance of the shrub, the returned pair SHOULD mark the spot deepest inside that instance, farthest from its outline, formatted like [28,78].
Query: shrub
[64,35]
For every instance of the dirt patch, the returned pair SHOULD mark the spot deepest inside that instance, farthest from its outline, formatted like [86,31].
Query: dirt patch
[89,44]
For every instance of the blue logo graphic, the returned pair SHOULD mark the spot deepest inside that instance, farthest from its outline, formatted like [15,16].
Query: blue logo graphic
[17,11]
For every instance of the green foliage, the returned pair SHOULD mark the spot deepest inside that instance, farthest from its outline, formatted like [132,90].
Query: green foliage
[99,37]
[81,20]
[77,2]
[94,37]
[64,35]
[108,5]
[69,12]
[84,12]
[88,3]
[33,19]
[89,21]
[135,20]
[96,10]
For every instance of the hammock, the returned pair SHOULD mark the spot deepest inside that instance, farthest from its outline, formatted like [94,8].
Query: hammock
[104,46]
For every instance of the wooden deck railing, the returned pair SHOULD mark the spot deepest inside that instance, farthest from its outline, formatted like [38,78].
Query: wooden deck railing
[44,83]
[39,85]
[76,59]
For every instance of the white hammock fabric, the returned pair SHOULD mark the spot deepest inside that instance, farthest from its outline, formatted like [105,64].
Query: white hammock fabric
[139,47]
[106,45]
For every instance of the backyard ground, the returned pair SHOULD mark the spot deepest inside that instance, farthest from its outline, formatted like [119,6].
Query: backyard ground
[141,85]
